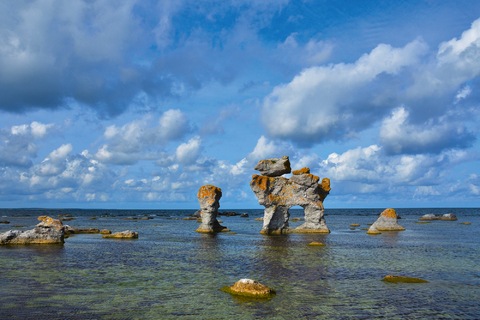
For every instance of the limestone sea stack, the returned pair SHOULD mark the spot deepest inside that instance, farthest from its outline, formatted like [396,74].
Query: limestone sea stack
[209,198]
[387,221]
[250,288]
[274,167]
[48,231]
[445,217]
[279,194]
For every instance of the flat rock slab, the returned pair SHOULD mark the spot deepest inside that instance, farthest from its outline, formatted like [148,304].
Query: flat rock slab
[122,235]
[396,279]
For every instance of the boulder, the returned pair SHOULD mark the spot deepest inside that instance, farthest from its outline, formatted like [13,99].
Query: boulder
[445,217]
[48,231]
[105,231]
[244,215]
[209,197]
[387,221]
[274,167]
[250,288]
[197,214]
[279,194]
[122,235]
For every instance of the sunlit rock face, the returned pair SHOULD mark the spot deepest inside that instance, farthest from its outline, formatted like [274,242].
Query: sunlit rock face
[387,221]
[209,197]
[274,167]
[279,194]
[48,231]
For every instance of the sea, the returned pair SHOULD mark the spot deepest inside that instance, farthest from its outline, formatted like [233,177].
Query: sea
[173,272]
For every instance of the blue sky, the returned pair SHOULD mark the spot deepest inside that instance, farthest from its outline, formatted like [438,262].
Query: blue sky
[136,104]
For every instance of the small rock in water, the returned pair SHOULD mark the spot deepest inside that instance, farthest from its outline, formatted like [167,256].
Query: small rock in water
[93,218]
[354,225]
[190,218]
[66,219]
[123,235]
[258,219]
[422,222]
[244,215]
[467,223]
[250,288]
[105,231]
[64,215]
[445,217]
[315,243]
[18,226]
[392,278]
[5,222]
[373,231]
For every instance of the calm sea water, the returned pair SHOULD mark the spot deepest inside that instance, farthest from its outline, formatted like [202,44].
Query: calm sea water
[172,272]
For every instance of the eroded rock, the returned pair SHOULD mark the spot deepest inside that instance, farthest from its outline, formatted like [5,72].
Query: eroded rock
[274,167]
[122,235]
[445,217]
[209,197]
[250,288]
[48,231]
[279,194]
[387,221]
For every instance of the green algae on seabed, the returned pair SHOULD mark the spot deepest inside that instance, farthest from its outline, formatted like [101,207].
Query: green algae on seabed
[396,279]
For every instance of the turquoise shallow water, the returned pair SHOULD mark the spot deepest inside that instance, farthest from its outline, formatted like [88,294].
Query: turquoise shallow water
[172,272]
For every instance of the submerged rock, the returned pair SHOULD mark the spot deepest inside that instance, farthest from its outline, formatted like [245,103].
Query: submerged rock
[48,231]
[72,230]
[122,235]
[279,194]
[209,197]
[316,244]
[392,278]
[274,167]
[354,225]
[250,288]
[5,222]
[387,221]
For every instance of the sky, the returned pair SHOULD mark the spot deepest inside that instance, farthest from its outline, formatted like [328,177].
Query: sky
[137,104]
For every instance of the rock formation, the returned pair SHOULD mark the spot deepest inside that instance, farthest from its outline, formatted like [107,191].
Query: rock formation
[387,221]
[48,231]
[274,167]
[279,194]
[250,288]
[209,197]
[445,217]
[122,235]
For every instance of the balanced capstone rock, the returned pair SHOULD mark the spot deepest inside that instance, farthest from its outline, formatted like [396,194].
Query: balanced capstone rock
[279,194]
[274,167]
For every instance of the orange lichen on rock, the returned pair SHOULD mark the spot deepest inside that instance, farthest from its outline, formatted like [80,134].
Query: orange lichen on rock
[325,184]
[209,191]
[302,171]
[263,182]
[46,221]
[389,213]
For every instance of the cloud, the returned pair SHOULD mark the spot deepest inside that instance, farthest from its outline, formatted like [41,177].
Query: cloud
[321,102]
[398,136]
[369,171]
[337,101]
[18,146]
[187,153]
[131,142]
[266,148]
